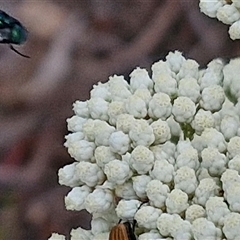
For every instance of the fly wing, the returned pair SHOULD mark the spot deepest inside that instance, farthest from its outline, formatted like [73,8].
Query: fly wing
[7,21]
[5,34]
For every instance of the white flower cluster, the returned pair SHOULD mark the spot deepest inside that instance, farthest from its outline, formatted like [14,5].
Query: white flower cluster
[226,11]
[171,140]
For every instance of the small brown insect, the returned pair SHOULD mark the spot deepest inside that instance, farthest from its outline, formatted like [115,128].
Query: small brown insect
[123,231]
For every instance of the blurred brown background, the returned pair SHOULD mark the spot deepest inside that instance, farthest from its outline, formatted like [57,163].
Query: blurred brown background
[74,44]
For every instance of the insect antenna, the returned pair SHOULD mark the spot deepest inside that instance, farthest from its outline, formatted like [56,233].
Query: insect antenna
[16,51]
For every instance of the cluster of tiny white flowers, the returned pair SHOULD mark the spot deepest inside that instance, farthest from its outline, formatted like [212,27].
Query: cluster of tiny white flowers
[226,11]
[170,141]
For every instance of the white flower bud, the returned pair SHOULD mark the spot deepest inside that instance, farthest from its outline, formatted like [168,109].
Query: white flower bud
[115,80]
[142,159]
[101,236]
[81,233]
[115,108]
[153,235]
[203,229]
[228,14]
[98,108]
[177,201]
[228,178]
[141,133]
[180,229]
[101,90]
[119,142]
[235,163]
[68,175]
[161,67]
[160,106]
[73,137]
[234,30]
[136,106]
[188,157]
[210,138]
[90,173]
[117,172]
[119,88]
[189,83]
[110,216]
[232,194]
[124,122]
[144,94]
[75,198]
[175,60]
[182,146]
[162,170]
[75,123]
[213,161]
[233,146]
[210,8]
[164,223]
[174,127]
[213,74]
[231,72]
[185,180]
[161,131]
[202,119]
[56,236]
[166,151]
[102,132]
[99,201]
[99,225]
[88,129]
[193,212]
[206,189]
[212,98]
[229,126]
[139,185]
[139,79]
[236,3]
[81,150]
[126,209]
[80,108]
[125,191]
[103,155]
[166,84]
[157,193]
[147,217]
[189,68]
[216,210]
[231,227]
[183,109]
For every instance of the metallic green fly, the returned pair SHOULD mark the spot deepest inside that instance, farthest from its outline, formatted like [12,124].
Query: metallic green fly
[12,32]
